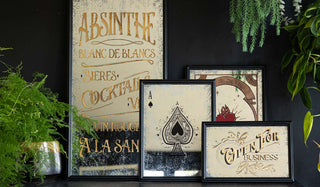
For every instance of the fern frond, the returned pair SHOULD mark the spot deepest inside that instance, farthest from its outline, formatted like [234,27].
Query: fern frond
[249,18]
[29,112]
[232,10]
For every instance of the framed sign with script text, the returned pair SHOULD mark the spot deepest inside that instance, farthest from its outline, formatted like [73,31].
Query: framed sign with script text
[171,115]
[114,44]
[239,90]
[247,152]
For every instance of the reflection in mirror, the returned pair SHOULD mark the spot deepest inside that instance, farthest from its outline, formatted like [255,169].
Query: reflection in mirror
[186,173]
[150,173]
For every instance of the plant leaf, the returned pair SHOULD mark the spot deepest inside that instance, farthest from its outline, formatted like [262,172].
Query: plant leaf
[310,67]
[4,49]
[316,43]
[309,23]
[291,83]
[305,42]
[299,83]
[307,126]
[305,97]
[315,26]
[314,72]
[301,69]
[287,58]
[302,21]
[310,12]
[301,34]
[319,163]
[290,28]
[319,155]
[317,75]
[296,63]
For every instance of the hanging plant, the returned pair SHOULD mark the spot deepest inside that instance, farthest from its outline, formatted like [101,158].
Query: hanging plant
[297,6]
[250,20]
[304,58]
[286,20]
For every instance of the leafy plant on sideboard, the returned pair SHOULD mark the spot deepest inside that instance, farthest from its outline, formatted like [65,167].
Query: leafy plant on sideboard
[29,113]
[304,60]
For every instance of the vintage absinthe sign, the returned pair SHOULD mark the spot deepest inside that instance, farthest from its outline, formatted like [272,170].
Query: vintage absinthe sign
[115,43]
[247,151]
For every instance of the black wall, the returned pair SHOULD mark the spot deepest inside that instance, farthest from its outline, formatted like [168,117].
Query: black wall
[199,33]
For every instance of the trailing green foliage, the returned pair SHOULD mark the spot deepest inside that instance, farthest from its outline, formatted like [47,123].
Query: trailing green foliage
[307,126]
[304,59]
[250,19]
[318,166]
[29,113]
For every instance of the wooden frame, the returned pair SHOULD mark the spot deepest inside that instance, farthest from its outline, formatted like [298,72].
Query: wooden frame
[247,152]
[239,90]
[172,125]
[92,69]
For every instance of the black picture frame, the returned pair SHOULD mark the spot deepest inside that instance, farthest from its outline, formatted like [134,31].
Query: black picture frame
[143,83]
[188,69]
[230,126]
[70,53]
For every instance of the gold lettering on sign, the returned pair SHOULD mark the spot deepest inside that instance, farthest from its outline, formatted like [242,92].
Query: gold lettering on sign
[84,144]
[112,23]
[264,157]
[108,93]
[262,140]
[116,126]
[134,102]
[89,76]
[116,53]
[94,97]
[118,146]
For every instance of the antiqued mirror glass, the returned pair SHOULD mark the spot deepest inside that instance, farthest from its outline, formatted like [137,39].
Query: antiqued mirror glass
[239,90]
[171,117]
[247,152]
[113,44]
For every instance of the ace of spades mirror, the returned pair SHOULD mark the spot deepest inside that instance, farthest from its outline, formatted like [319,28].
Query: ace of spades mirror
[171,114]
[113,44]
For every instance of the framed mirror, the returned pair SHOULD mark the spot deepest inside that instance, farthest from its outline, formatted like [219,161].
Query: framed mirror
[113,44]
[247,151]
[239,90]
[171,114]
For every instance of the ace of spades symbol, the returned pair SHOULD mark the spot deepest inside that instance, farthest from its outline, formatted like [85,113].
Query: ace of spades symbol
[177,131]
[150,104]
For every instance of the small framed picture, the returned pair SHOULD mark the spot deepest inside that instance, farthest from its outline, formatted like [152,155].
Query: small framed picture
[247,152]
[171,116]
[239,90]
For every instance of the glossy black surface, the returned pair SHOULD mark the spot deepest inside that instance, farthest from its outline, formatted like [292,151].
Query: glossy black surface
[159,184]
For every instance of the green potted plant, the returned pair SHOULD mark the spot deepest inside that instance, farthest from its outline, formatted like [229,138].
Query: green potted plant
[30,114]
[304,59]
